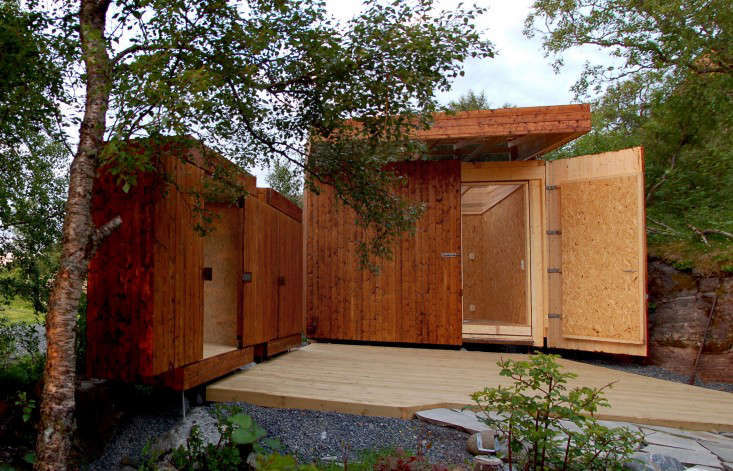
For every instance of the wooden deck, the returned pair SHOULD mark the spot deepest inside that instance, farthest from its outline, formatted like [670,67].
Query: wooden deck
[396,382]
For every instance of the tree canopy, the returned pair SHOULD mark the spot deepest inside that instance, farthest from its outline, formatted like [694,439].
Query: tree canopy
[668,90]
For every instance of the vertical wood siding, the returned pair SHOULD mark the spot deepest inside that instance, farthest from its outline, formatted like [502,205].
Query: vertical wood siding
[416,297]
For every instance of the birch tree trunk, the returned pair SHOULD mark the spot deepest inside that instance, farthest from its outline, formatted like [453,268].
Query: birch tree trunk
[57,406]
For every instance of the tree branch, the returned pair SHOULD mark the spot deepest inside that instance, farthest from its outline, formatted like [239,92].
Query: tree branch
[102,232]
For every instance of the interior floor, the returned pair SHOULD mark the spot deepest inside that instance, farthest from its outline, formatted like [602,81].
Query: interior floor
[214,349]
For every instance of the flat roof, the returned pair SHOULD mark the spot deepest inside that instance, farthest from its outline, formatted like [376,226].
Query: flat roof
[505,133]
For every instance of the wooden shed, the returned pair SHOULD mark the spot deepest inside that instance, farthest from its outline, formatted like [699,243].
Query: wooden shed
[510,249]
[171,306]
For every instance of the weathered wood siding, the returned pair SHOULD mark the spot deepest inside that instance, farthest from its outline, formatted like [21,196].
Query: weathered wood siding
[416,297]
[145,315]
[273,246]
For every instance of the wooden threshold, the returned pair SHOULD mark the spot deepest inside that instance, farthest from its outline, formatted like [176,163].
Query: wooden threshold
[207,369]
[397,382]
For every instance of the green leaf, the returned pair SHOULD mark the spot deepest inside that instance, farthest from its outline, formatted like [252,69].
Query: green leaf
[241,419]
[30,458]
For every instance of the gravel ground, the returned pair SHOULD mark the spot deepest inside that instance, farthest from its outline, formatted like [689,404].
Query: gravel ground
[656,372]
[133,434]
[310,435]
[313,435]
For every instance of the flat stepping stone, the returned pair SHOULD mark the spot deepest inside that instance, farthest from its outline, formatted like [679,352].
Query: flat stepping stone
[693,434]
[724,451]
[666,439]
[688,457]
[464,420]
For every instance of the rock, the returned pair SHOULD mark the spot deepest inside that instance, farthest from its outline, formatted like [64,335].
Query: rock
[653,462]
[688,457]
[127,468]
[724,451]
[487,463]
[665,439]
[481,443]
[466,420]
[178,435]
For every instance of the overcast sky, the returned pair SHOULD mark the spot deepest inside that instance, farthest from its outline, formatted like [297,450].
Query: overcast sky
[519,74]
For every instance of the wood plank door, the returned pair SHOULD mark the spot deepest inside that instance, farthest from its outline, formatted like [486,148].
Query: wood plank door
[416,296]
[597,272]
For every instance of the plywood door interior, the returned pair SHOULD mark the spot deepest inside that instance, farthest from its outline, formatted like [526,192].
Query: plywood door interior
[222,274]
[495,243]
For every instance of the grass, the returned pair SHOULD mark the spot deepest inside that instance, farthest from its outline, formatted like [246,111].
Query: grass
[18,310]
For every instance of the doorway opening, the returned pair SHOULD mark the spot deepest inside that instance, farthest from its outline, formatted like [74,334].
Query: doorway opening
[222,272]
[495,240]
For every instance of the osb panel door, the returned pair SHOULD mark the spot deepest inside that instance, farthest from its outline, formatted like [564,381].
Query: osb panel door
[416,296]
[598,296]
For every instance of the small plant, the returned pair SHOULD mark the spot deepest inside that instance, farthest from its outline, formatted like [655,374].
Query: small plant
[239,435]
[549,427]
[27,406]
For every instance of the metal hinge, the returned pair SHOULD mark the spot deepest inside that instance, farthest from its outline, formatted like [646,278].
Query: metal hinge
[554,270]
[551,187]
[554,232]
[554,316]
[450,254]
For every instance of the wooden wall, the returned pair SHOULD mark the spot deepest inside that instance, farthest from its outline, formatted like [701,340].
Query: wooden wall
[496,262]
[145,316]
[273,300]
[416,297]
[141,303]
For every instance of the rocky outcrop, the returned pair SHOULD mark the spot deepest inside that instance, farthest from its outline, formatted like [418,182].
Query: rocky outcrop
[679,306]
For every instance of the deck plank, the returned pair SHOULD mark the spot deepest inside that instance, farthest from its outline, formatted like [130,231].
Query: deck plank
[397,382]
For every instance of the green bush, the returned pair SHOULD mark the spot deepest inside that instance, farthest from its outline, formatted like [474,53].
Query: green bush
[549,427]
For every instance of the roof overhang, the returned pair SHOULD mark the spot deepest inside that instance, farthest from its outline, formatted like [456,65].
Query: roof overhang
[505,133]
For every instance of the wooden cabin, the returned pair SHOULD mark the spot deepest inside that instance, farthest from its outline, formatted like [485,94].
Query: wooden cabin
[168,305]
[510,249]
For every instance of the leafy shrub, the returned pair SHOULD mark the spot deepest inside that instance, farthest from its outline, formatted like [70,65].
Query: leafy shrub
[548,426]
[21,359]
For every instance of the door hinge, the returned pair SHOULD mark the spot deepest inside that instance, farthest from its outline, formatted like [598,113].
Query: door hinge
[551,187]
[554,316]
[450,254]
[554,270]
[551,232]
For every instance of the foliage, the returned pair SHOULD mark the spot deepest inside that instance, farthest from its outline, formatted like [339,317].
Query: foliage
[26,404]
[287,180]
[469,102]
[32,194]
[32,77]
[265,81]
[21,360]
[239,435]
[403,461]
[548,426]
[668,90]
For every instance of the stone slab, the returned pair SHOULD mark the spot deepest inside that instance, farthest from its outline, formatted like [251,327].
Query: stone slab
[721,450]
[688,457]
[666,439]
[464,420]
[693,434]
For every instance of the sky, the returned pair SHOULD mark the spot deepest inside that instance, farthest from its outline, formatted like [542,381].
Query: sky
[519,74]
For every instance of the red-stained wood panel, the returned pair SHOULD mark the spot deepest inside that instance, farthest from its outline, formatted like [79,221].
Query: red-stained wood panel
[120,282]
[416,296]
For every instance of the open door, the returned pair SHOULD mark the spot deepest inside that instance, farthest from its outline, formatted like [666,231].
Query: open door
[597,253]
